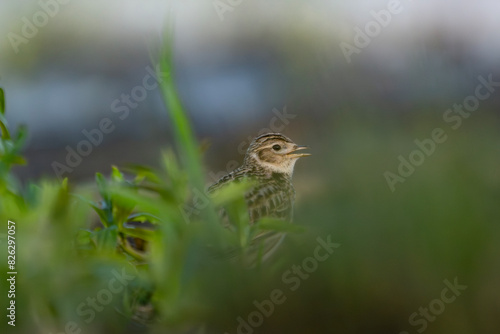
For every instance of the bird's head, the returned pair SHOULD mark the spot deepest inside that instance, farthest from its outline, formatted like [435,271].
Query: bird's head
[274,152]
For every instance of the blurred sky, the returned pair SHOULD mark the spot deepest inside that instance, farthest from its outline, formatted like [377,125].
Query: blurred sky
[233,68]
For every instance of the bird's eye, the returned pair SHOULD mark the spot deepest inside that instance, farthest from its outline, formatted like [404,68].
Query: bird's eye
[276,147]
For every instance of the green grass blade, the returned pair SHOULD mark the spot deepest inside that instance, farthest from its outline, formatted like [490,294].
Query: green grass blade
[2,102]
[3,122]
[187,144]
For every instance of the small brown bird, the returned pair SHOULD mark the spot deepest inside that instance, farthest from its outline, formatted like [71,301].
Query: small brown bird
[269,163]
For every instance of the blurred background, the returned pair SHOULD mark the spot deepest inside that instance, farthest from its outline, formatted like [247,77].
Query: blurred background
[63,66]
[358,81]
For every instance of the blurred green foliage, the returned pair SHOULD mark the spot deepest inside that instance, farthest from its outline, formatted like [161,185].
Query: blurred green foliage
[72,242]
[396,248]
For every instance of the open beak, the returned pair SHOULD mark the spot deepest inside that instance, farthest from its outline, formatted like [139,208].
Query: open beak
[299,155]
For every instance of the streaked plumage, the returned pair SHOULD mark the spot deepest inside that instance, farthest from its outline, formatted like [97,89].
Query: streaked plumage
[272,196]
[269,163]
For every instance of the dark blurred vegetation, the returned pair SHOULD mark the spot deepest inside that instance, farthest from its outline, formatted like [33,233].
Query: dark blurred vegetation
[396,248]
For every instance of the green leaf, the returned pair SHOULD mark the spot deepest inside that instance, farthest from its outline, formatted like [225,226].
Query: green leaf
[102,186]
[18,160]
[3,127]
[106,239]
[182,129]
[144,172]
[231,192]
[2,101]
[3,121]
[186,141]
[138,232]
[64,184]
[116,175]
[22,135]
[143,216]
[83,237]
[125,197]
[279,226]
[102,214]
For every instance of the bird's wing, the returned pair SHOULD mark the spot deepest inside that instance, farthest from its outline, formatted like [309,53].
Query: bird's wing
[237,174]
[267,199]
[270,200]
